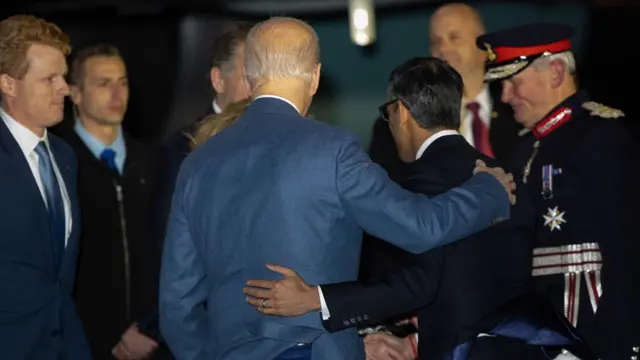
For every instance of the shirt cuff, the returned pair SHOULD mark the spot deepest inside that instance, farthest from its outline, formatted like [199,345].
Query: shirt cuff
[323,306]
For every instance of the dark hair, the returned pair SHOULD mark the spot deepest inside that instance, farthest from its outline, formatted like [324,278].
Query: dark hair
[77,72]
[431,90]
[224,46]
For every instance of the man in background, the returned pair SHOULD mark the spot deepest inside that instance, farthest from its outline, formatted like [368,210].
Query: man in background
[39,212]
[227,81]
[118,266]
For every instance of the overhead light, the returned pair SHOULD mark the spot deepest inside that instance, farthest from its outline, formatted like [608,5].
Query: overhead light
[362,22]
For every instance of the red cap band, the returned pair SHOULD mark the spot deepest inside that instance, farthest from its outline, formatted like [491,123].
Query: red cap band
[509,53]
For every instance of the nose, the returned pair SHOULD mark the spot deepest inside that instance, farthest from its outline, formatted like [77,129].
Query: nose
[64,88]
[117,92]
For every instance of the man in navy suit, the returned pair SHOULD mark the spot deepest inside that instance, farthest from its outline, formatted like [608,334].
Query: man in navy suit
[39,217]
[275,187]
[461,291]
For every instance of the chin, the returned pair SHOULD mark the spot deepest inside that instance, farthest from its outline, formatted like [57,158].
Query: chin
[53,121]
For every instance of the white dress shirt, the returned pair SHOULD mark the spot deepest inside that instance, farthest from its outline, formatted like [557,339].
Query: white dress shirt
[216,108]
[279,98]
[486,109]
[28,141]
[323,304]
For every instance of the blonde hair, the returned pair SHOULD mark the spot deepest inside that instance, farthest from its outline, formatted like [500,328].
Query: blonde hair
[213,124]
[18,33]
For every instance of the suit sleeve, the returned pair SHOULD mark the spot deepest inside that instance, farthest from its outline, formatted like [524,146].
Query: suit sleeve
[183,316]
[612,192]
[410,221]
[412,286]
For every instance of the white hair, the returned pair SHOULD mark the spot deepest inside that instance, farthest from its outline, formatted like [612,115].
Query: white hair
[271,54]
[566,57]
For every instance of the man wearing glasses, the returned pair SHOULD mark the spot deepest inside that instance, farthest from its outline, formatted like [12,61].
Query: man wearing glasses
[471,296]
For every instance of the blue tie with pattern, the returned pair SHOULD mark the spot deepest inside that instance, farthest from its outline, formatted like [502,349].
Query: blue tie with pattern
[109,157]
[55,204]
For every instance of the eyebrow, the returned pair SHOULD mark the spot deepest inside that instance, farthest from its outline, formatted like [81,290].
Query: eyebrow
[108,78]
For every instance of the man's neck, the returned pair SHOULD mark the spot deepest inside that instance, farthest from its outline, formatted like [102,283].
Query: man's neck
[106,134]
[420,136]
[555,100]
[292,91]
[473,85]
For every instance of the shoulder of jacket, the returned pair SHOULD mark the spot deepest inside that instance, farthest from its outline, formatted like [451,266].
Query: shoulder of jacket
[603,111]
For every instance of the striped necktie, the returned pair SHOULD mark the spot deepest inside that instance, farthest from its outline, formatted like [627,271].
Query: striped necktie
[55,204]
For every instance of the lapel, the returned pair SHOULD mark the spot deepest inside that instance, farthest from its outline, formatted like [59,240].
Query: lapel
[69,178]
[23,182]
[20,168]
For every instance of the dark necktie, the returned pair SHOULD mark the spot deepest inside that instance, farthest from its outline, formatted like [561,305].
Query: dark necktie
[55,204]
[480,130]
[108,156]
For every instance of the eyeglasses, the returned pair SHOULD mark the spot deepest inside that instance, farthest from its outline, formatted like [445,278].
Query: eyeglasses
[384,108]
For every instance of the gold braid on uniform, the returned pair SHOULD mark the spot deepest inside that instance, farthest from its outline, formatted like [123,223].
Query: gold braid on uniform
[602,111]
[527,168]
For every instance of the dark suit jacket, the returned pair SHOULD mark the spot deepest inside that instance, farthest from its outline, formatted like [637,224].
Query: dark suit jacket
[101,276]
[38,319]
[169,155]
[460,283]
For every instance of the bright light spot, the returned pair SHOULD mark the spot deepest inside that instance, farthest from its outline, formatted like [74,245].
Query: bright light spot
[360,19]
[361,38]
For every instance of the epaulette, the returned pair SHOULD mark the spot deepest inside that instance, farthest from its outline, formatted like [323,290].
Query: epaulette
[602,111]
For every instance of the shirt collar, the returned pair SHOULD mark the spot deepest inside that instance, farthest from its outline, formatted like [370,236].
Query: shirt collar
[433,138]
[483,98]
[216,109]
[25,138]
[279,98]
[560,114]
[96,146]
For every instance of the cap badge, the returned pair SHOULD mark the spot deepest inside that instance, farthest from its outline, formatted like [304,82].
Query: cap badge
[491,55]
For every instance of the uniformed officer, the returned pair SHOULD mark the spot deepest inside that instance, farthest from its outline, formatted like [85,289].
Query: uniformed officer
[576,162]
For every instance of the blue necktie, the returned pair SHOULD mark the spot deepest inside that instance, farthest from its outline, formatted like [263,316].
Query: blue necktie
[55,204]
[109,157]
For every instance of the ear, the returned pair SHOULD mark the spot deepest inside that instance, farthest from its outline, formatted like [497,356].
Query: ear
[245,82]
[404,116]
[559,72]
[316,80]
[8,85]
[216,79]
[76,94]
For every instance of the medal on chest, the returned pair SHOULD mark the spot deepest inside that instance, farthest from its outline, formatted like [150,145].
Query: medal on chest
[545,127]
[554,218]
[548,172]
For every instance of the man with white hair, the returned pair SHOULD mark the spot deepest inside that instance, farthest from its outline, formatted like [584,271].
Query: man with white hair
[575,160]
[276,188]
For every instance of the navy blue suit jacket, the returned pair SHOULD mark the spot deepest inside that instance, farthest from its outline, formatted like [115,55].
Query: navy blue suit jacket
[38,319]
[275,187]
[461,289]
